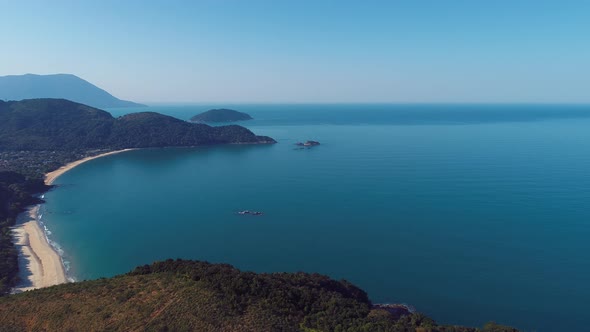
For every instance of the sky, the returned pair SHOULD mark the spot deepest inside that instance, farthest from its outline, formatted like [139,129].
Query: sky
[301,51]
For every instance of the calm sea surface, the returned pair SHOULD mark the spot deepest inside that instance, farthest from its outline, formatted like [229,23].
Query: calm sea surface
[470,213]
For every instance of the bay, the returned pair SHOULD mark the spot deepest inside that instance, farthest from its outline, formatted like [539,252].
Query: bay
[470,213]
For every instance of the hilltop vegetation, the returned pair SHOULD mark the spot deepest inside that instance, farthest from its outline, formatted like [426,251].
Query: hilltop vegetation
[197,296]
[221,115]
[58,124]
[71,87]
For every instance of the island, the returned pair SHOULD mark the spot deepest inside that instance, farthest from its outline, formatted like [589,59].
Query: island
[308,143]
[220,115]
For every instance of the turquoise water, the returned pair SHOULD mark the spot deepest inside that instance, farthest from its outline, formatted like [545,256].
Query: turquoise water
[469,213]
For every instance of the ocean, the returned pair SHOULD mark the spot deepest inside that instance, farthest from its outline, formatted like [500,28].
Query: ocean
[469,213]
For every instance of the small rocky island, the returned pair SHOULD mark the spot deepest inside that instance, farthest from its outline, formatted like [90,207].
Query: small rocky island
[308,143]
[220,115]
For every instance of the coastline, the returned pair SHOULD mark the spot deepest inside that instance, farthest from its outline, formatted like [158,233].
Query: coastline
[39,264]
[52,176]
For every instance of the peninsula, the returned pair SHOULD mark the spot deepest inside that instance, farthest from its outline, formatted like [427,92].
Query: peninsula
[220,115]
[59,124]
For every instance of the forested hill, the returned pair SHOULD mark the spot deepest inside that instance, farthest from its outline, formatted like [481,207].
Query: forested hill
[197,296]
[58,124]
[221,115]
[71,87]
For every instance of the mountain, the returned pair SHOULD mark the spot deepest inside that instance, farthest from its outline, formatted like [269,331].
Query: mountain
[221,115]
[58,124]
[180,295]
[66,86]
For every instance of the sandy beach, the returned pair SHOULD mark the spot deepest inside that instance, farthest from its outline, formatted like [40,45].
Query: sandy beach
[52,176]
[40,265]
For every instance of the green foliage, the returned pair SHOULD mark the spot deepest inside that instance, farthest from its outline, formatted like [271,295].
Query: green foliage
[34,164]
[221,115]
[62,125]
[178,295]
[15,194]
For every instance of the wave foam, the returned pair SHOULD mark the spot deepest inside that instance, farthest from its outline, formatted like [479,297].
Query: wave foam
[56,246]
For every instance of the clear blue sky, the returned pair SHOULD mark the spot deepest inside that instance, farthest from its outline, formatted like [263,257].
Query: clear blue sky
[307,51]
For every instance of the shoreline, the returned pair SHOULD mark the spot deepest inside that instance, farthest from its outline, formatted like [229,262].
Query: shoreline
[52,176]
[40,265]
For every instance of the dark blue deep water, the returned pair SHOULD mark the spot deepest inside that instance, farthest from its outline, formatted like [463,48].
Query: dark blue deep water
[470,213]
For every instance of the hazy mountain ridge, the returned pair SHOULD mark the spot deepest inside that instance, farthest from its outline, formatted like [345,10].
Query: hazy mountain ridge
[61,86]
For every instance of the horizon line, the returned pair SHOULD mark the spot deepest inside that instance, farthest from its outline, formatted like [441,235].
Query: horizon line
[158,103]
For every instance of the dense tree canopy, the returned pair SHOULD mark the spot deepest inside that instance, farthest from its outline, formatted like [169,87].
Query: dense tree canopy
[15,194]
[178,295]
[221,115]
[58,124]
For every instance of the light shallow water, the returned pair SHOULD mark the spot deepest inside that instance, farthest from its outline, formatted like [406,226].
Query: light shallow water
[469,213]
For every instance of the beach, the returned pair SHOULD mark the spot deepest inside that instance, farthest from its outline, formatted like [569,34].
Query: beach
[40,265]
[52,176]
